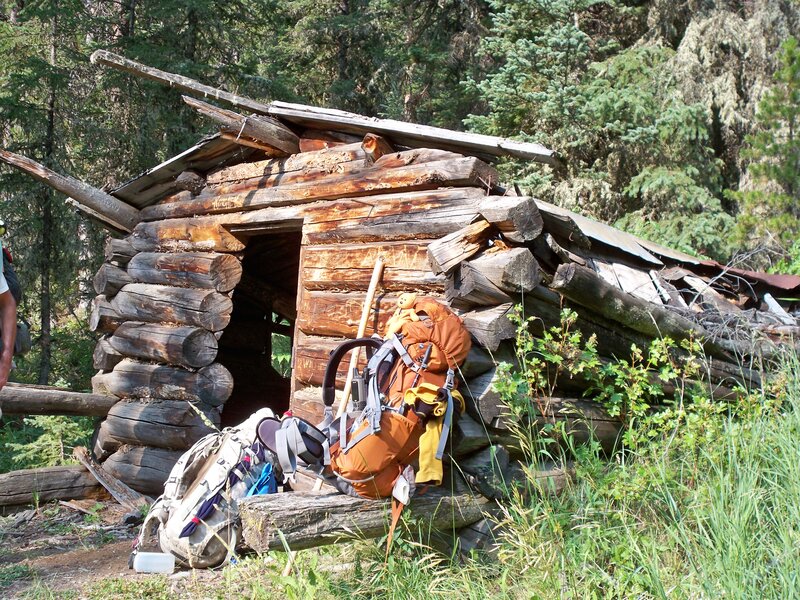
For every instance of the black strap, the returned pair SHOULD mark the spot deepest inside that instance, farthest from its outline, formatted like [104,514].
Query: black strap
[329,381]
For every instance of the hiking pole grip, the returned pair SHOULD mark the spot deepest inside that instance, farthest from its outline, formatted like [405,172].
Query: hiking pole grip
[377,272]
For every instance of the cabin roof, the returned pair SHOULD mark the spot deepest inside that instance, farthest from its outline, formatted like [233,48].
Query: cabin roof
[215,151]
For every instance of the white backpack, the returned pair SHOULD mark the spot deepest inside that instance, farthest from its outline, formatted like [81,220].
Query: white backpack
[197,517]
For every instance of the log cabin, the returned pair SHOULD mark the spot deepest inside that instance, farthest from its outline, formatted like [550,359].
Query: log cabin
[265,233]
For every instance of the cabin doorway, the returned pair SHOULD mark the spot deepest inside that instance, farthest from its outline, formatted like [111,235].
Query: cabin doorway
[256,346]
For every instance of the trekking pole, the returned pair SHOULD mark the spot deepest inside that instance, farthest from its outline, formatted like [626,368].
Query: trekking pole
[377,272]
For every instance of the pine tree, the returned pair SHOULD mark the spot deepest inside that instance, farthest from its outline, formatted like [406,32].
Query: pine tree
[771,213]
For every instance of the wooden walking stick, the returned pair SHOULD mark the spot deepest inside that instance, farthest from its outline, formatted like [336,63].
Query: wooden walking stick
[377,272]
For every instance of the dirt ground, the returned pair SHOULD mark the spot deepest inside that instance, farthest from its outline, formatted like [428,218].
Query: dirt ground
[63,549]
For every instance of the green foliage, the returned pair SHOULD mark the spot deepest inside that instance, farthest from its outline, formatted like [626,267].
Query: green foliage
[49,442]
[771,211]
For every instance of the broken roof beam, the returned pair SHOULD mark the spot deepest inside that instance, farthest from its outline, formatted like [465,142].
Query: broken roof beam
[274,134]
[186,84]
[110,210]
[409,134]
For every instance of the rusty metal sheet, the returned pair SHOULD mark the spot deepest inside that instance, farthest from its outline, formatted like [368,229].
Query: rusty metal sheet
[158,182]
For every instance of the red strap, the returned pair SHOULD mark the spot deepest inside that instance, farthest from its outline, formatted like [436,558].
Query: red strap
[397,510]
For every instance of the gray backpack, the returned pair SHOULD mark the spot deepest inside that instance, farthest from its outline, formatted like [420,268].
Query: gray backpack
[197,517]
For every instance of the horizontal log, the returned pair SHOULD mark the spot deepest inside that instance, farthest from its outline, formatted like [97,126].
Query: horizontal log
[260,128]
[105,357]
[445,253]
[309,519]
[103,445]
[306,403]
[186,346]
[337,313]
[310,358]
[38,486]
[158,303]
[184,235]
[278,177]
[490,326]
[188,181]
[143,468]
[211,385]
[468,436]
[348,267]
[516,217]
[514,270]
[170,424]
[23,399]
[483,401]
[109,280]
[408,216]
[206,270]
[467,287]
[103,318]
[119,251]
[367,182]
[327,159]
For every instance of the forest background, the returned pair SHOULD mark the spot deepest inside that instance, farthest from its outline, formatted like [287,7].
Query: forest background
[675,120]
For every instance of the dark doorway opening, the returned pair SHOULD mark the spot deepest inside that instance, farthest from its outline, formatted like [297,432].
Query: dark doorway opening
[256,345]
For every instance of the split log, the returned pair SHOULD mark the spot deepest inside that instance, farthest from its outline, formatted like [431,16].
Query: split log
[366,182]
[186,346]
[337,314]
[445,253]
[478,361]
[104,318]
[308,519]
[170,424]
[38,486]
[109,280]
[467,287]
[483,402]
[516,217]
[348,267]
[157,303]
[409,216]
[210,385]
[260,128]
[207,270]
[143,468]
[110,209]
[105,357]
[184,235]
[130,500]
[189,181]
[514,271]
[490,326]
[374,146]
[468,436]
[267,297]
[23,399]
[119,251]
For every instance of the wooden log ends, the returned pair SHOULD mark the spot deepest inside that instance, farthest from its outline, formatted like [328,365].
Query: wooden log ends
[211,385]
[220,272]
[517,217]
[514,270]
[445,253]
[190,181]
[104,356]
[156,303]
[119,251]
[490,326]
[109,280]
[103,318]
[171,424]
[177,345]
[143,468]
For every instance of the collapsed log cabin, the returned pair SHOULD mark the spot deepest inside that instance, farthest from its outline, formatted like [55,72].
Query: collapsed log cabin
[265,234]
